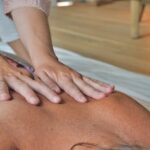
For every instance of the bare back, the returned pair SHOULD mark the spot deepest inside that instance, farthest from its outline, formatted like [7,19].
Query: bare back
[111,121]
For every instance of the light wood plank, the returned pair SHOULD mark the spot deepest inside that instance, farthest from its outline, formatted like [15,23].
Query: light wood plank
[103,33]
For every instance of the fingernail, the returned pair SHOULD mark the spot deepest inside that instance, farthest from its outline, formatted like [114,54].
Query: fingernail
[102,96]
[34,100]
[110,89]
[56,99]
[82,99]
[57,90]
[4,97]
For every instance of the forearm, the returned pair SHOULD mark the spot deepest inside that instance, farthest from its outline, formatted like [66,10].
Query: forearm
[32,25]
[20,50]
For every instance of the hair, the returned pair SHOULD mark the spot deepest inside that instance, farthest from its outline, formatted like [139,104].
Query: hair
[91,146]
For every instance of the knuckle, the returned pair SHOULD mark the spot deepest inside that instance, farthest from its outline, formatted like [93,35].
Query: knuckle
[64,81]
[2,82]
[64,77]
[18,73]
[76,75]
[1,73]
[38,83]
[24,72]
[52,86]
[3,87]
[10,76]
[77,93]
[88,88]
[42,85]
[22,85]
[27,94]
[74,90]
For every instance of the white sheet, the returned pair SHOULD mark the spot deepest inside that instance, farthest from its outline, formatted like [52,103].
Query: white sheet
[8,30]
[133,84]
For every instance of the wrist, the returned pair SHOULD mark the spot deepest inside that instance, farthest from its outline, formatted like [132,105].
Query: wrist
[41,54]
[44,59]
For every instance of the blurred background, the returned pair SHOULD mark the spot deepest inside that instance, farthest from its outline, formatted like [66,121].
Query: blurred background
[113,31]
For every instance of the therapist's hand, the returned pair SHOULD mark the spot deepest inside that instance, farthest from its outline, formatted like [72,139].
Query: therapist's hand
[58,76]
[37,41]
[19,80]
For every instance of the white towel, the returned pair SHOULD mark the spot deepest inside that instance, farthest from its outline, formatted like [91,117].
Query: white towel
[8,31]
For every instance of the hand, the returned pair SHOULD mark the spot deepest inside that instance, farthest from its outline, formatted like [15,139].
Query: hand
[57,76]
[20,81]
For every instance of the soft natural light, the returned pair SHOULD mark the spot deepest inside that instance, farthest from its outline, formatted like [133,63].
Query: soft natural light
[63,4]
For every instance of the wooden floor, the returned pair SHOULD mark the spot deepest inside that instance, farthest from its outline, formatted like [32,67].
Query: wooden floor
[103,33]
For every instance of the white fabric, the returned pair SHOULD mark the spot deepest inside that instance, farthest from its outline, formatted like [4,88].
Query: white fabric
[133,84]
[8,31]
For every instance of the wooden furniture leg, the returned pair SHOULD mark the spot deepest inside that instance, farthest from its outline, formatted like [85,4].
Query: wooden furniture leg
[142,12]
[136,7]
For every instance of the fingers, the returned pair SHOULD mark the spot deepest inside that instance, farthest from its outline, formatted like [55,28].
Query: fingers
[100,86]
[42,89]
[23,89]
[49,82]
[4,92]
[24,72]
[88,90]
[70,88]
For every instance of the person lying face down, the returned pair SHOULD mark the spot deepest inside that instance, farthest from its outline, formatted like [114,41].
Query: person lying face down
[115,121]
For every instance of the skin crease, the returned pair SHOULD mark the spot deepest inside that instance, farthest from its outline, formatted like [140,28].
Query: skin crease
[114,120]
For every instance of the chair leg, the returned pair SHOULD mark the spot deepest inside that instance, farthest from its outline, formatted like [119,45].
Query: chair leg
[135,16]
[141,12]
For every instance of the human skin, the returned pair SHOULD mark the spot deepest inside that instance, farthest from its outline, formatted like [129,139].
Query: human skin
[35,46]
[20,50]
[116,119]
[33,28]
[15,78]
